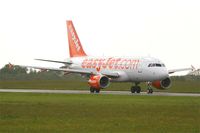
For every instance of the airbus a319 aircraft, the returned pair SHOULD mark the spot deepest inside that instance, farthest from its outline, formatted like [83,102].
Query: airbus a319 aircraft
[103,70]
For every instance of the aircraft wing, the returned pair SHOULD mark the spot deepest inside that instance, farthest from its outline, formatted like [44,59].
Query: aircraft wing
[64,62]
[179,70]
[109,74]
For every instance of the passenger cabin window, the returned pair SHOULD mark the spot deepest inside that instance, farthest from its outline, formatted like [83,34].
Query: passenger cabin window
[156,65]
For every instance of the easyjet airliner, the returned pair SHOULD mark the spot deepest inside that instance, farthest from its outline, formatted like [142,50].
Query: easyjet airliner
[103,70]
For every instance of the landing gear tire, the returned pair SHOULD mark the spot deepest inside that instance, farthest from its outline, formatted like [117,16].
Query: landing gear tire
[135,89]
[150,91]
[92,90]
[138,89]
[97,90]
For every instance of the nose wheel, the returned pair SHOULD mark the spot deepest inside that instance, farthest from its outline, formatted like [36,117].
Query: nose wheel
[149,89]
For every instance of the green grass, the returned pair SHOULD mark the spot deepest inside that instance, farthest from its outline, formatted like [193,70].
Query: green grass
[177,86]
[29,112]
[44,84]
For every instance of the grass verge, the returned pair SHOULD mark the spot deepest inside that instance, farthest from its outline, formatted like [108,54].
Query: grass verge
[29,112]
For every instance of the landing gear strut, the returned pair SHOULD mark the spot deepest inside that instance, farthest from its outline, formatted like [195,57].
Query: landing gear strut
[92,90]
[136,88]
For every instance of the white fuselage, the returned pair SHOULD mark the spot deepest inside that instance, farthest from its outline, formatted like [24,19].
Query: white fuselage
[130,69]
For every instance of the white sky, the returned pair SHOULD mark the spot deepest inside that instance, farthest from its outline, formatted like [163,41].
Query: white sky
[165,29]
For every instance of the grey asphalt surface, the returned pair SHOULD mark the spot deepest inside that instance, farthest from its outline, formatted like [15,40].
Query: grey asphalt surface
[102,92]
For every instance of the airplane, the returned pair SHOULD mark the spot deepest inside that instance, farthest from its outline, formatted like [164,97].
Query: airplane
[101,71]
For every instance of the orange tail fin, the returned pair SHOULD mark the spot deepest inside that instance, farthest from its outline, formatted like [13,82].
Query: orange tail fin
[75,47]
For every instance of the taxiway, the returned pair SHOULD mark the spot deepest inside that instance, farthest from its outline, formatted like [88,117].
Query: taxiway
[102,92]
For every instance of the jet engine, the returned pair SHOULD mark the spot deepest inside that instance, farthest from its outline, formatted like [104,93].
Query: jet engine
[163,84]
[99,81]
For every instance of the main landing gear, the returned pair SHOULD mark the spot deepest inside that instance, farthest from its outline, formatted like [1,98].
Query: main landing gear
[136,88]
[93,90]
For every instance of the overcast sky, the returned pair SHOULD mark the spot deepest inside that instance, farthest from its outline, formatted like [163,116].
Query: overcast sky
[165,29]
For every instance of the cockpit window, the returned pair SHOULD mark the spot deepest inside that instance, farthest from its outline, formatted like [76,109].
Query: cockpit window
[156,65]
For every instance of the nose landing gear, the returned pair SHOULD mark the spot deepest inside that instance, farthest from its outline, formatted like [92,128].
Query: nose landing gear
[137,89]
[149,91]
[149,88]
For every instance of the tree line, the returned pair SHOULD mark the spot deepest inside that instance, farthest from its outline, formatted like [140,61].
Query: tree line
[14,72]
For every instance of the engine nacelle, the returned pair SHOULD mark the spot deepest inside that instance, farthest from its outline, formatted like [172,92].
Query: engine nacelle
[99,81]
[163,84]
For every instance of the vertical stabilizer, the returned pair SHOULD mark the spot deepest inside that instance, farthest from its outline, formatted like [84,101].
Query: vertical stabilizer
[75,47]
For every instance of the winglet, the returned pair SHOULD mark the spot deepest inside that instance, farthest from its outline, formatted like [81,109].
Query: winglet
[193,68]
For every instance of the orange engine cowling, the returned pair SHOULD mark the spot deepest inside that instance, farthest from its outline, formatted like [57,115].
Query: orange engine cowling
[163,84]
[98,81]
